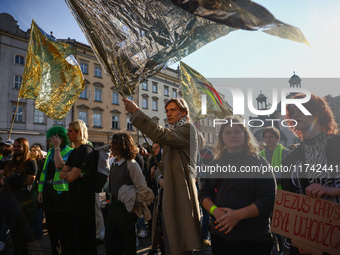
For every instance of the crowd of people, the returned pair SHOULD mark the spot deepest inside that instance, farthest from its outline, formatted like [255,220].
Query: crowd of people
[158,190]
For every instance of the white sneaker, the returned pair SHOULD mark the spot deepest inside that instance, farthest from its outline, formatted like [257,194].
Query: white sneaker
[143,233]
[2,246]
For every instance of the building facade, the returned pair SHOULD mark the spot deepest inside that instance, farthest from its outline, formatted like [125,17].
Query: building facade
[29,123]
[153,95]
[209,133]
[100,105]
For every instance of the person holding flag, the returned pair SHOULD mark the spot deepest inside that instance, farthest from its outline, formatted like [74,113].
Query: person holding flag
[180,208]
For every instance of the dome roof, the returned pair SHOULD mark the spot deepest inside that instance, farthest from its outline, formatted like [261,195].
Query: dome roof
[294,78]
[261,96]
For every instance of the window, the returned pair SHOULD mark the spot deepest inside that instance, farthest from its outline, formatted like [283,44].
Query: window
[129,124]
[83,116]
[97,120]
[39,116]
[145,85]
[154,87]
[202,122]
[208,137]
[174,93]
[19,117]
[115,97]
[19,60]
[84,68]
[98,95]
[97,71]
[58,123]
[83,94]
[166,91]
[17,81]
[145,103]
[154,104]
[115,122]
[208,122]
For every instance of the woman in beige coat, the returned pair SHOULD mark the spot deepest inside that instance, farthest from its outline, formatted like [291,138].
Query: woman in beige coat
[180,206]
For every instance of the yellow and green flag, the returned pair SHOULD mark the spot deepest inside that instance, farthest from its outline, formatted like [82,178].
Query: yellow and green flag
[194,85]
[52,76]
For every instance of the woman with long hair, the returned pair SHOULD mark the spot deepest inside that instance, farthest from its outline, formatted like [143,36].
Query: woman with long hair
[239,203]
[36,213]
[320,143]
[19,175]
[79,172]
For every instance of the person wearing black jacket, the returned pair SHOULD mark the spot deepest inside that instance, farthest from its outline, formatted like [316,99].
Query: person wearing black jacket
[19,174]
[79,172]
[240,204]
[319,150]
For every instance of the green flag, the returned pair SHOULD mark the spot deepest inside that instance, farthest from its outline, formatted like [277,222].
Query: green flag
[194,85]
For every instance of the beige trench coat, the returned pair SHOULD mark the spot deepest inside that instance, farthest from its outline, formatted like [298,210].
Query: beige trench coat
[180,202]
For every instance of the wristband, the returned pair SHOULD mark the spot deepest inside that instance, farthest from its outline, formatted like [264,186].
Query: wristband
[57,148]
[212,209]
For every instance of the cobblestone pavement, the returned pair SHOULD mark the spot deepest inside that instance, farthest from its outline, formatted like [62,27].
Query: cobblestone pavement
[42,247]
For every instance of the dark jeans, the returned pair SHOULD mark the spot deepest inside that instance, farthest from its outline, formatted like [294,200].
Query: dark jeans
[221,246]
[141,224]
[56,223]
[205,224]
[3,227]
[16,216]
[36,222]
[120,234]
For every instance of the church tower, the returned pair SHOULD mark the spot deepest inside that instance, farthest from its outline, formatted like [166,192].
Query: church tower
[295,81]
[261,101]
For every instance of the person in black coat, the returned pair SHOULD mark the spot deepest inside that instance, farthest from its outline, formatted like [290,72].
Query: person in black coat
[239,204]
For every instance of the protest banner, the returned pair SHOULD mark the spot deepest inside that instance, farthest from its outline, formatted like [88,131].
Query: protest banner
[312,224]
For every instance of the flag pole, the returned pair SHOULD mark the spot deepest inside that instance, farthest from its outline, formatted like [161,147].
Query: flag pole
[149,146]
[15,113]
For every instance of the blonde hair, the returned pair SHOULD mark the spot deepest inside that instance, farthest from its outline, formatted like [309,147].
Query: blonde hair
[250,144]
[80,127]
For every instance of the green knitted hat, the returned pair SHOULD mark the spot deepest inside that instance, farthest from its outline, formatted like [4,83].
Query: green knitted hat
[61,132]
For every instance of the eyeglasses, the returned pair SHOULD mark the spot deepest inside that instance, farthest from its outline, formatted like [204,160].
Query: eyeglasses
[17,146]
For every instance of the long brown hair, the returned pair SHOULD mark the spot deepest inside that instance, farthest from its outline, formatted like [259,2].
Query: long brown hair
[38,149]
[250,145]
[322,113]
[21,167]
